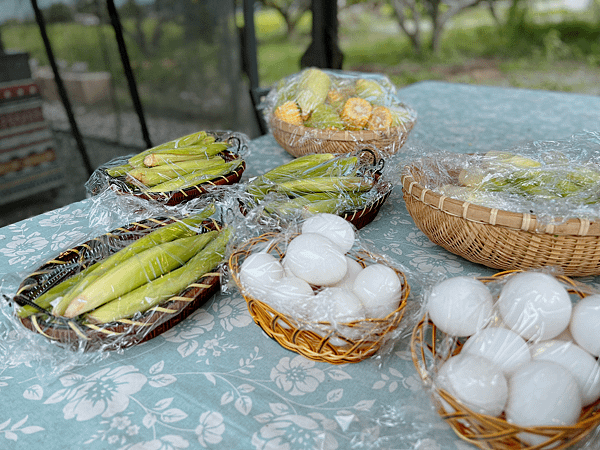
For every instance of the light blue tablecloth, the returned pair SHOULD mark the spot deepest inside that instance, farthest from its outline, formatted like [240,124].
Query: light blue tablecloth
[216,380]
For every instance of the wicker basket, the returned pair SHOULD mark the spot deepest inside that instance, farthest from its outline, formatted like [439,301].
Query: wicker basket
[483,431]
[501,239]
[300,140]
[328,345]
[126,332]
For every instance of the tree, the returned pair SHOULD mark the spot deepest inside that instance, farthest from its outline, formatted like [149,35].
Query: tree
[59,12]
[412,14]
[291,11]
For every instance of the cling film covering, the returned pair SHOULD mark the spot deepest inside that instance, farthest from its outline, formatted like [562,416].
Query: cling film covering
[175,171]
[554,180]
[322,103]
[511,360]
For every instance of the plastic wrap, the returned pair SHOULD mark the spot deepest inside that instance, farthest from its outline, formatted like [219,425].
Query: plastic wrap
[329,111]
[318,290]
[351,185]
[509,359]
[175,171]
[554,180]
[139,270]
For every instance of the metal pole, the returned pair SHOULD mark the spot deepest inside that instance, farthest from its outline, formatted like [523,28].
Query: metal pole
[137,104]
[61,88]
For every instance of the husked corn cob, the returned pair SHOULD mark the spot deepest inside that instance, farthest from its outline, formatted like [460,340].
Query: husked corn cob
[324,117]
[312,91]
[151,176]
[193,179]
[162,289]
[136,271]
[289,112]
[380,119]
[356,113]
[369,90]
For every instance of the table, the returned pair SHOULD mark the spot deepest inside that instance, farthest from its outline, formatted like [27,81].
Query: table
[216,380]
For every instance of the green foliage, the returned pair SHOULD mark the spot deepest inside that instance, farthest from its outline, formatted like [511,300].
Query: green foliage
[59,13]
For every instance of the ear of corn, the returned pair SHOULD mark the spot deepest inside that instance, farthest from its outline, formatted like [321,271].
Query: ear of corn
[289,112]
[211,148]
[152,176]
[380,119]
[324,184]
[167,233]
[312,91]
[136,271]
[119,171]
[158,159]
[193,179]
[324,117]
[162,289]
[369,90]
[356,113]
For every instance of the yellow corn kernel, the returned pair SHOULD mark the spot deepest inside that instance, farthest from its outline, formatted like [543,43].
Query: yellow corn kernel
[356,112]
[289,112]
[381,119]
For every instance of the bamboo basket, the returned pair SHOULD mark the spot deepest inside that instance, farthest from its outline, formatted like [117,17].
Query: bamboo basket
[484,431]
[125,332]
[316,341]
[500,239]
[299,140]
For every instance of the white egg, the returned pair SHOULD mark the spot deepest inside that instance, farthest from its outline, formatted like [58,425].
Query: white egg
[542,393]
[333,227]
[378,288]
[336,304]
[315,259]
[290,295]
[352,272]
[460,306]
[259,271]
[576,360]
[585,324]
[475,382]
[505,348]
[535,305]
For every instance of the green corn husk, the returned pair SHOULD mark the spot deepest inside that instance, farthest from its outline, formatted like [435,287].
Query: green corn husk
[167,233]
[336,205]
[323,184]
[195,179]
[285,207]
[312,91]
[183,154]
[136,271]
[369,90]
[162,289]
[325,117]
[208,145]
[119,171]
[151,176]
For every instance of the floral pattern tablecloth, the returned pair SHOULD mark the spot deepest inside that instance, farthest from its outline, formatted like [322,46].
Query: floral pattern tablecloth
[216,380]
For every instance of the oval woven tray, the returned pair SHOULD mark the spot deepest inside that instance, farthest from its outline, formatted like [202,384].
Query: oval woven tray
[239,145]
[501,239]
[483,431]
[125,332]
[329,345]
[301,140]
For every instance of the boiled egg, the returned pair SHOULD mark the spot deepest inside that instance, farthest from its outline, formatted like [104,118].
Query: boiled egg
[585,324]
[378,288]
[335,228]
[259,271]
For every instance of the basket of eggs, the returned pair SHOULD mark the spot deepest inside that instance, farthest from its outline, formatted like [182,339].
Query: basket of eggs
[327,111]
[317,293]
[508,210]
[511,360]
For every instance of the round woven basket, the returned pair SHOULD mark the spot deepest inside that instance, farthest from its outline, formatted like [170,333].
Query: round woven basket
[307,339]
[500,239]
[125,332]
[300,140]
[483,431]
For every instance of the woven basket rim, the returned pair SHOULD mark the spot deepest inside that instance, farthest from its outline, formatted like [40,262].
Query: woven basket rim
[340,135]
[493,216]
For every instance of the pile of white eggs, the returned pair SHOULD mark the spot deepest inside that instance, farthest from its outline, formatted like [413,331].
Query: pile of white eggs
[531,354]
[317,280]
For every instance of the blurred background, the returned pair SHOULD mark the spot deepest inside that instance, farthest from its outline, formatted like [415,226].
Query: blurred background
[136,73]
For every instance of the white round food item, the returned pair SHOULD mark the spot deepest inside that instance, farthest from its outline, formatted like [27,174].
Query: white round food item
[378,287]
[460,306]
[259,271]
[352,272]
[336,304]
[315,259]
[585,324]
[335,228]
[290,295]
[576,360]
[535,305]
[505,348]
[475,382]
[542,393]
